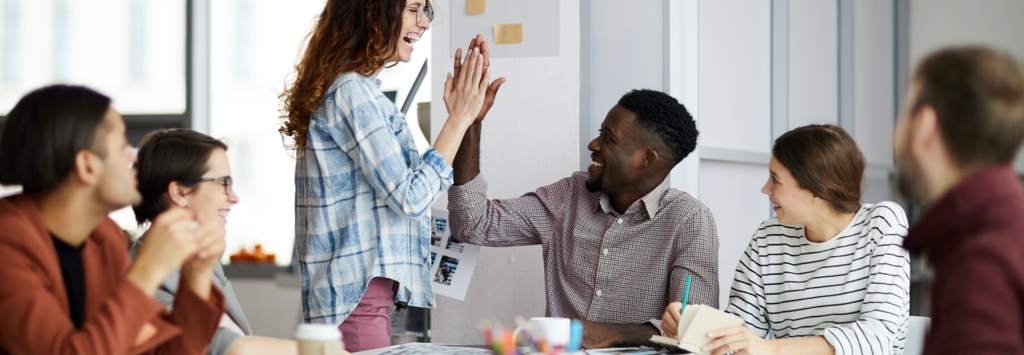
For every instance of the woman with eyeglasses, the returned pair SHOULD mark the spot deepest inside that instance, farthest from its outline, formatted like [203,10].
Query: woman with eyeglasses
[188,169]
[362,190]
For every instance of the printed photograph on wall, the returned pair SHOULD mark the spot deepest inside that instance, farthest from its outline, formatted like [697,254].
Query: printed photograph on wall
[446,270]
[437,230]
[448,255]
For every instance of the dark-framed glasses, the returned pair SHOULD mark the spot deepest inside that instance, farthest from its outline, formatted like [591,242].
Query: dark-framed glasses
[223,180]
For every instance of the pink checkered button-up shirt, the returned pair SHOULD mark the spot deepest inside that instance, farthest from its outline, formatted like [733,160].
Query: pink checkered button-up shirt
[600,266]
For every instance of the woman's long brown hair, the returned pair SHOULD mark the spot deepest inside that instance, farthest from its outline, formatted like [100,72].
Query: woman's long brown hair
[349,36]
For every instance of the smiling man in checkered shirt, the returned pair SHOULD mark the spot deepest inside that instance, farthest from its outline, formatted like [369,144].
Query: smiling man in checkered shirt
[618,242]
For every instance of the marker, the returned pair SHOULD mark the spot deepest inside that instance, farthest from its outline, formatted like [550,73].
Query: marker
[686,296]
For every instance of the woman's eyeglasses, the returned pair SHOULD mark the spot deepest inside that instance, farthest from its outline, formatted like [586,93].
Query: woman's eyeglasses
[424,13]
[223,180]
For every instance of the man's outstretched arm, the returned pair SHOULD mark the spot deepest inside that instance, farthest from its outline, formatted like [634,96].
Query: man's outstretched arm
[605,335]
[466,164]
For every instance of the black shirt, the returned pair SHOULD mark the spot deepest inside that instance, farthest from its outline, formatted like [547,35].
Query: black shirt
[74,278]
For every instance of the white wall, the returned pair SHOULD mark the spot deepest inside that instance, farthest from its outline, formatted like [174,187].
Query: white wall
[875,105]
[735,117]
[271,305]
[939,23]
[735,74]
[529,140]
[732,191]
[617,56]
[813,62]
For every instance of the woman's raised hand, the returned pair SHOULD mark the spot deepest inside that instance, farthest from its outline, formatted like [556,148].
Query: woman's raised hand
[464,92]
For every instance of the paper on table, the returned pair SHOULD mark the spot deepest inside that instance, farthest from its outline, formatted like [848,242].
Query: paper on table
[451,263]
[476,7]
[425,349]
[509,33]
[643,350]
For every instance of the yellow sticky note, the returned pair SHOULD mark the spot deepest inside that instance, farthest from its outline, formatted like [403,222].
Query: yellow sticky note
[476,7]
[509,33]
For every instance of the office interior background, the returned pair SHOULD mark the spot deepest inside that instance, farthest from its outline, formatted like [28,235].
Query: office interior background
[748,70]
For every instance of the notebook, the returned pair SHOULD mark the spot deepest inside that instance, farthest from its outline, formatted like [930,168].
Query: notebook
[697,320]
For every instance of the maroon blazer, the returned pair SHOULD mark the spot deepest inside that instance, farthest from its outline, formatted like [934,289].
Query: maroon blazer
[119,318]
[974,238]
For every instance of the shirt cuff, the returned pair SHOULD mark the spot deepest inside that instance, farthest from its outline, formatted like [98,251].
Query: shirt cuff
[146,308]
[434,158]
[657,325]
[462,197]
[832,339]
[199,319]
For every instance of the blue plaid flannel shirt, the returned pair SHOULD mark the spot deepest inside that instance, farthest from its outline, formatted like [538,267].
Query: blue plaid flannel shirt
[362,202]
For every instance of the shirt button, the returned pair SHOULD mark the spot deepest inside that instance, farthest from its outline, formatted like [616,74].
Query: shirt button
[620,220]
[598,293]
[605,252]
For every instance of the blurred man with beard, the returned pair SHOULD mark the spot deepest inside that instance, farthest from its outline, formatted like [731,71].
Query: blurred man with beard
[618,242]
[961,126]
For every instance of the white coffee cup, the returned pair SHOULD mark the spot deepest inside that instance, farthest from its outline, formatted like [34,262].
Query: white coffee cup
[319,339]
[553,330]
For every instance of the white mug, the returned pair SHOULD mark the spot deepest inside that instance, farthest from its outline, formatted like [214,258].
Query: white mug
[319,339]
[553,330]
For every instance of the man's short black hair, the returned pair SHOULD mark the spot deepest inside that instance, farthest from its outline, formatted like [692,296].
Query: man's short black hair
[43,133]
[665,117]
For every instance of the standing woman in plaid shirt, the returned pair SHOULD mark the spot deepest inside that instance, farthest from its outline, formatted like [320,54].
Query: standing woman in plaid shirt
[362,191]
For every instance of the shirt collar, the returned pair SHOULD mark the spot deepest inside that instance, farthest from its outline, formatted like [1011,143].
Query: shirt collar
[961,210]
[650,203]
[372,79]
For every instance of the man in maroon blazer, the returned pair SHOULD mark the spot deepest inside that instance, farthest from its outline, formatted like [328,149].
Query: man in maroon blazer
[67,286]
[962,124]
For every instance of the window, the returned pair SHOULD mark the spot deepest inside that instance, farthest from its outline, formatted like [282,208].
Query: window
[131,50]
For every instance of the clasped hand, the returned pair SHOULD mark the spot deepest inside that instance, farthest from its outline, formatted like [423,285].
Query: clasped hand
[467,85]
[179,238]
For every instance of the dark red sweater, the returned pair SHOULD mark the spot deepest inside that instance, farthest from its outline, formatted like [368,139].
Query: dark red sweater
[973,236]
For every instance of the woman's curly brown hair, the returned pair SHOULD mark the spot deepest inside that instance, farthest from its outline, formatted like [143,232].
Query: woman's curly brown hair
[349,36]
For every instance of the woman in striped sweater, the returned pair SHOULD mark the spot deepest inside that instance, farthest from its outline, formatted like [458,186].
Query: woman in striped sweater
[827,275]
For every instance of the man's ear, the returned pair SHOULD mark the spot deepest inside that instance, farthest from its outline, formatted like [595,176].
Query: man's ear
[649,158]
[88,167]
[178,194]
[925,133]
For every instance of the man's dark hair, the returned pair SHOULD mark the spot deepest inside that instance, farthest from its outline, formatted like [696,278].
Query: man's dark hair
[665,117]
[168,155]
[978,96]
[43,133]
